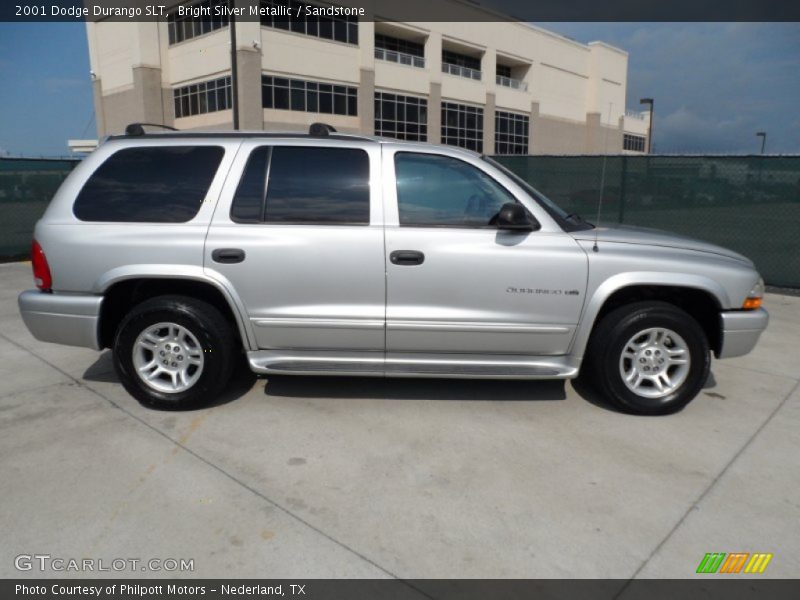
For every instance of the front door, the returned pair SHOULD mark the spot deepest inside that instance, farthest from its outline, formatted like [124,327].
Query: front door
[298,234]
[457,284]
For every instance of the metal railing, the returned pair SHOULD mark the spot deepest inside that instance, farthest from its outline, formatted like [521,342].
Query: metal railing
[400,58]
[634,114]
[461,71]
[512,83]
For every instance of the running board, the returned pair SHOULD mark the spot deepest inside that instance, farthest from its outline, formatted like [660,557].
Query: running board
[374,364]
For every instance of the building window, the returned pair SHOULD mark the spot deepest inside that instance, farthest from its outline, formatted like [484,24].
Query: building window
[343,28]
[510,133]
[633,142]
[400,51]
[504,71]
[462,126]
[387,42]
[308,96]
[187,27]
[204,97]
[461,65]
[401,117]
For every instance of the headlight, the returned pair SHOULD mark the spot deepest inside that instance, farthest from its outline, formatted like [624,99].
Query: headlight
[755,296]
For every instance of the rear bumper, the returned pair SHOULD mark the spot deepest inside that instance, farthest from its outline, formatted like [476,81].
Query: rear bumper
[741,330]
[70,319]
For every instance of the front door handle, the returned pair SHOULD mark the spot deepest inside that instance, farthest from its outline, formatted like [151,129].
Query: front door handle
[407,257]
[227,255]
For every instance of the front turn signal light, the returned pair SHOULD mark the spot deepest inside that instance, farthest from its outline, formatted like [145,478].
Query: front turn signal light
[755,297]
[752,303]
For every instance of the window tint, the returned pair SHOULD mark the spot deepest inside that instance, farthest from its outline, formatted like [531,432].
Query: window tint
[149,185]
[434,190]
[248,203]
[305,185]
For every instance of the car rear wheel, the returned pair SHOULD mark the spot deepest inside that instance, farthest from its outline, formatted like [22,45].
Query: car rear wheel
[174,352]
[649,358]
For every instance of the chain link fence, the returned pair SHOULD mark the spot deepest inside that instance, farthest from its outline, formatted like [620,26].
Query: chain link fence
[750,204]
[26,187]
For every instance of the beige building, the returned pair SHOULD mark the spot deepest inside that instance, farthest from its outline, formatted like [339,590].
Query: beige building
[498,87]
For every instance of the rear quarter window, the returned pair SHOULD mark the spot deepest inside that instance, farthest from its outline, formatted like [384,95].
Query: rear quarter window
[165,184]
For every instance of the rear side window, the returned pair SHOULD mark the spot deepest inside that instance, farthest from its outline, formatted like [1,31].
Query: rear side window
[304,185]
[164,184]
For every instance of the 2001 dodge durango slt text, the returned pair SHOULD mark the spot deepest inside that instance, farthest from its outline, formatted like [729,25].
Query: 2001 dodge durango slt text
[331,254]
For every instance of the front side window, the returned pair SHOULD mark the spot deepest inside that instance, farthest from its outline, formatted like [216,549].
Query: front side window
[304,185]
[440,191]
[164,184]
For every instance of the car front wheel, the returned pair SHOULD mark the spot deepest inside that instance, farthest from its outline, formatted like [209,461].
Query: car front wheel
[649,358]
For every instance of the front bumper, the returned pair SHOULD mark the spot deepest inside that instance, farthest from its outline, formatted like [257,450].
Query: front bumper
[741,330]
[70,319]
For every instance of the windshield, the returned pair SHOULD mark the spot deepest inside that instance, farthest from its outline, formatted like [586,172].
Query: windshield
[567,221]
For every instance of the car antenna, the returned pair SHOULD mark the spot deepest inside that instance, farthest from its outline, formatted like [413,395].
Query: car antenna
[602,179]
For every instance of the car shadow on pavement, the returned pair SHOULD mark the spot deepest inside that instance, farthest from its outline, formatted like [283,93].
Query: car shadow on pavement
[241,381]
[413,389]
[588,392]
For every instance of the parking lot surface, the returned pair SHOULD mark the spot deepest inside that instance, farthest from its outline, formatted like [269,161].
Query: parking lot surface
[325,477]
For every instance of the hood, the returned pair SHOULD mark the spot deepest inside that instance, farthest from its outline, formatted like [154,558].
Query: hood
[643,236]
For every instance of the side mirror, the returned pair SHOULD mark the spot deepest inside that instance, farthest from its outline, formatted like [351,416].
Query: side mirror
[514,216]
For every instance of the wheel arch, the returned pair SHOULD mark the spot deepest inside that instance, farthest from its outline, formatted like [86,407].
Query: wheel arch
[699,296]
[122,291]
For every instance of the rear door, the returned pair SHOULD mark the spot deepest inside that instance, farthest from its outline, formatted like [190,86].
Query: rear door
[298,234]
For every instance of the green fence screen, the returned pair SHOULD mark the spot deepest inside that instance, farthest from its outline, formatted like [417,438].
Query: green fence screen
[750,204]
[26,187]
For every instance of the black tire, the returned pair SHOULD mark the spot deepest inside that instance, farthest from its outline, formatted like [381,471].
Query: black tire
[213,333]
[609,339]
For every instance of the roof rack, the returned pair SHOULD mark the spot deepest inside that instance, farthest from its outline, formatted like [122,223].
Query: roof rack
[320,129]
[316,130]
[137,129]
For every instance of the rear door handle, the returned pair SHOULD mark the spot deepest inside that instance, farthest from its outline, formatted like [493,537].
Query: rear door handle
[227,255]
[407,257]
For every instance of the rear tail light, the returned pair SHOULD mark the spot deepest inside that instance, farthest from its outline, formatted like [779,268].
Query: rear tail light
[41,270]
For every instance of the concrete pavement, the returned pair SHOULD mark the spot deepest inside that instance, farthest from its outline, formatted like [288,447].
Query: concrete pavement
[324,477]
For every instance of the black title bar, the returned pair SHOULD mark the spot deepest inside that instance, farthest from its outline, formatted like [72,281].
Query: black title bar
[711,587]
[422,10]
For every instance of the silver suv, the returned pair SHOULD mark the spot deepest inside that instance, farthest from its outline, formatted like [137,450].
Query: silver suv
[331,254]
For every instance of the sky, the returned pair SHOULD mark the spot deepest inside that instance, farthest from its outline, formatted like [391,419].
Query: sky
[714,84]
[46,91]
